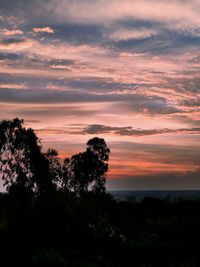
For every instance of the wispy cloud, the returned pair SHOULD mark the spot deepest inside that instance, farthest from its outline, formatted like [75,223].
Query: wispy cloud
[14,45]
[59,66]
[177,13]
[11,32]
[43,30]
[132,34]
[14,86]
[98,129]
[130,131]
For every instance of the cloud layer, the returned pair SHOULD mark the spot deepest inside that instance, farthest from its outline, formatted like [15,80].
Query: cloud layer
[126,70]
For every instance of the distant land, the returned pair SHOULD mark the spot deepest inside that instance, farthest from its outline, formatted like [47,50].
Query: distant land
[172,195]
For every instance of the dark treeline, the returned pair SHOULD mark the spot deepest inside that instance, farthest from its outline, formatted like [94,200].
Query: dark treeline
[58,213]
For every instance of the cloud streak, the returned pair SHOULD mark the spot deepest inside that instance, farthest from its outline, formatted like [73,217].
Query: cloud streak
[130,131]
[132,34]
[14,86]
[98,129]
[43,30]
[8,32]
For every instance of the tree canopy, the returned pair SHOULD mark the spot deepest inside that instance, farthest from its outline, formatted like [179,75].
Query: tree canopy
[87,170]
[22,162]
[21,157]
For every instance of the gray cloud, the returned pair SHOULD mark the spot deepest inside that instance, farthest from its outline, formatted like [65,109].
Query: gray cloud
[50,96]
[130,131]
[33,61]
[75,22]
[10,41]
[10,56]
[96,129]
[192,102]
[150,105]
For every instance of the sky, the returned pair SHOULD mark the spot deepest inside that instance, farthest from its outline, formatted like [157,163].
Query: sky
[126,71]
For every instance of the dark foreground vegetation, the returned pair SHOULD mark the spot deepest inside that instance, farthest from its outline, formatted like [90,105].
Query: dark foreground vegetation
[59,214]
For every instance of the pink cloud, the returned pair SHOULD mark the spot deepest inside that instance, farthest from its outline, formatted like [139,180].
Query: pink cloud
[13,86]
[16,45]
[59,67]
[176,13]
[11,32]
[43,29]
[132,34]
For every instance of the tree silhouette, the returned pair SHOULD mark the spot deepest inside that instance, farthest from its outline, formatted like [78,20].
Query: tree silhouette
[99,151]
[23,163]
[14,159]
[55,168]
[87,170]
[80,172]
[65,174]
[21,159]
[99,147]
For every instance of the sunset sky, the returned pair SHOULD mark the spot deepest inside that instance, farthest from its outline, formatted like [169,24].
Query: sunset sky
[127,71]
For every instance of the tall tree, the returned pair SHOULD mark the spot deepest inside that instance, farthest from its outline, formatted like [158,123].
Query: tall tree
[21,159]
[55,168]
[87,170]
[99,149]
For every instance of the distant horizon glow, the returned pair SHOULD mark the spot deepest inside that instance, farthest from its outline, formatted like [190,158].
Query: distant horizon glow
[127,71]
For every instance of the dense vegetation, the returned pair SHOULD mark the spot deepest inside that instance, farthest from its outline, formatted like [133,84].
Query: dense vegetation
[59,214]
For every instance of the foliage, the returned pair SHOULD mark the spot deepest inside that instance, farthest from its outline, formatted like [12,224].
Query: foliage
[55,168]
[87,170]
[21,159]
[22,162]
